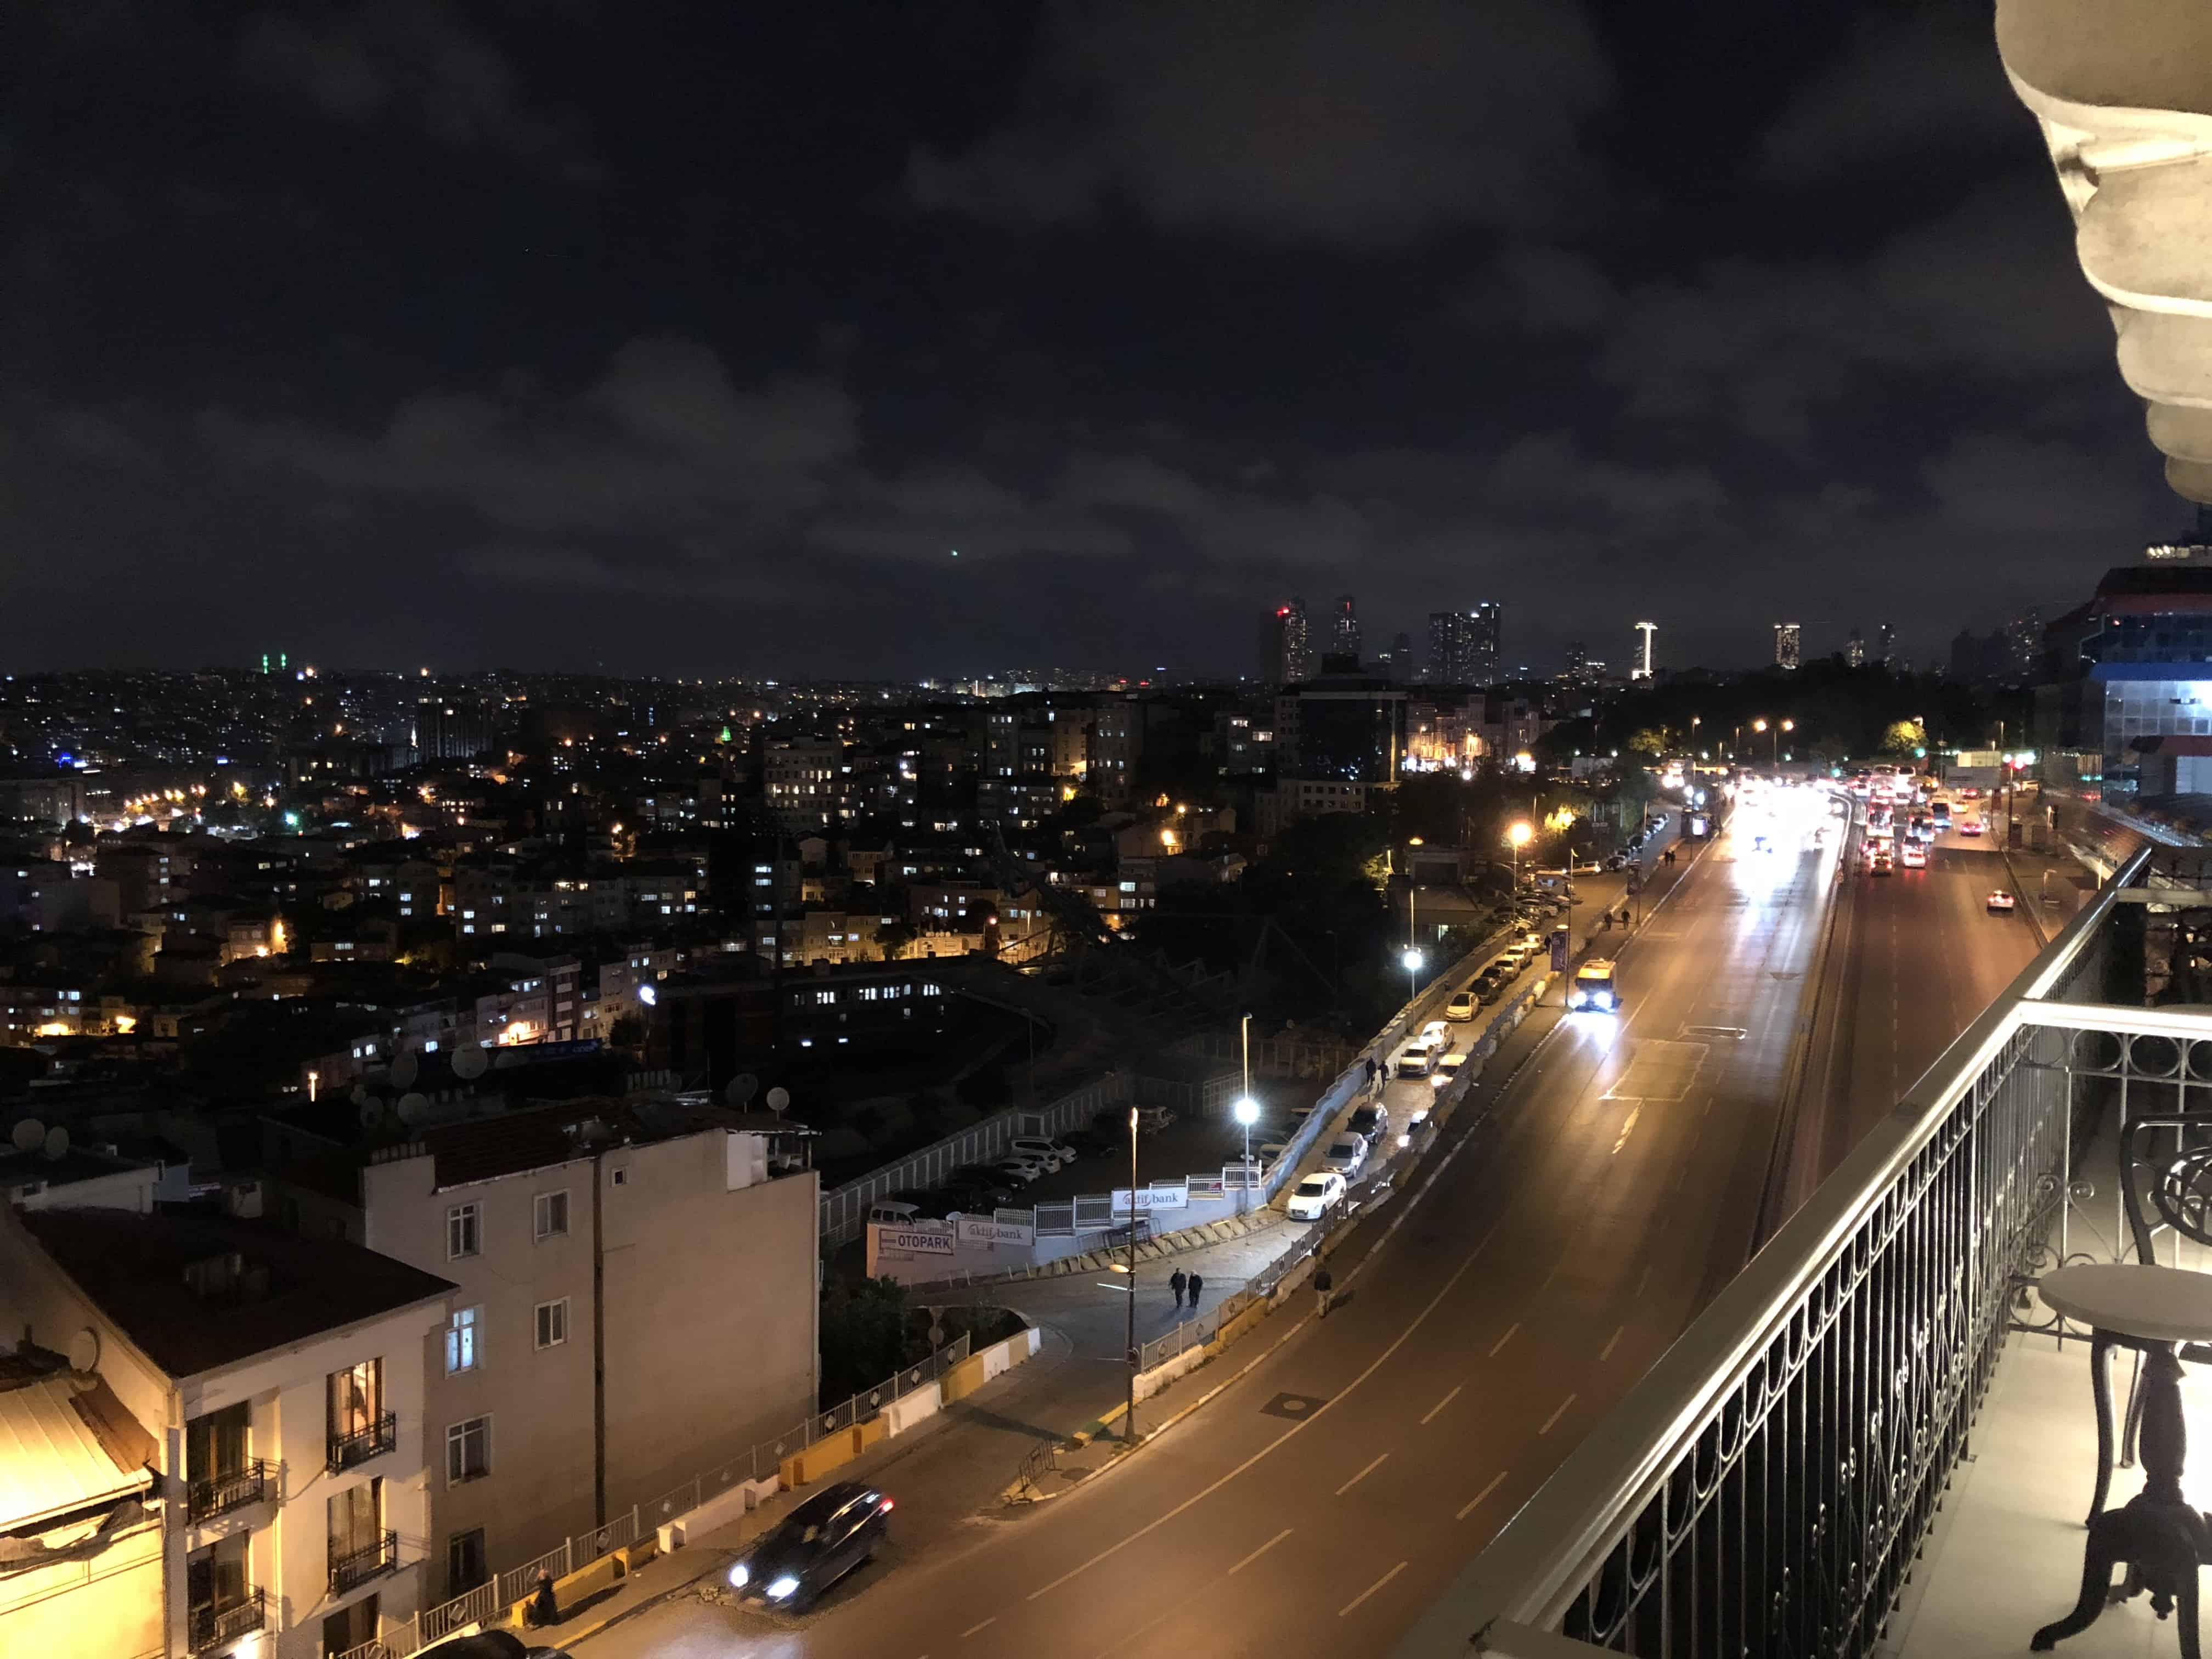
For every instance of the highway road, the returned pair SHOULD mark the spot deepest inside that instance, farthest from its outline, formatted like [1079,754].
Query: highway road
[1918,954]
[1543,1259]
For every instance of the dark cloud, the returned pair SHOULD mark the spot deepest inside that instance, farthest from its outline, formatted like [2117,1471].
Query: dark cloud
[1301,119]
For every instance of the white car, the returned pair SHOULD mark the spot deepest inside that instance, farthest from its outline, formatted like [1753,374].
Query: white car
[1344,1155]
[1447,1068]
[1024,1170]
[1438,1033]
[1416,1059]
[1050,1153]
[2001,900]
[1270,1151]
[1460,1007]
[1312,1197]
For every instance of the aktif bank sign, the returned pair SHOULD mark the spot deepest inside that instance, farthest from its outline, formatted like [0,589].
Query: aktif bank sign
[985,1230]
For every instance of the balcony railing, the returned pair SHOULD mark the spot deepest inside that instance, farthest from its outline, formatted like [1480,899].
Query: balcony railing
[1765,1488]
[212,1626]
[362,1443]
[219,1494]
[358,1567]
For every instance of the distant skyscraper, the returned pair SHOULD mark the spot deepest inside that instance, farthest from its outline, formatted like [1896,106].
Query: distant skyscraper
[1285,647]
[2024,645]
[1884,646]
[1786,638]
[1855,650]
[1641,660]
[1344,627]
[1463,646]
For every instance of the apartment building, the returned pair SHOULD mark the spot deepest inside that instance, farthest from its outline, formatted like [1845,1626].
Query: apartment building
[635,1299]
[215,1434]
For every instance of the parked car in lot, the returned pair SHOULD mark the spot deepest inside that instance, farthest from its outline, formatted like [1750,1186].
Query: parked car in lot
[1345,1156]
[833,1532]
[1315,1196]
[894,1212]
[1417,1059]
[1438,1034]
[1086,1143]
[1369,1123]
[1491,990]
[1151,1120]
[1462,1006]
[1052,1154]
[1448,1067]
[1270,1151]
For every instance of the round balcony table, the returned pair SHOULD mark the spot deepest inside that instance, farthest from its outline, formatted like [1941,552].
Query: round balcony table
[2159,1538]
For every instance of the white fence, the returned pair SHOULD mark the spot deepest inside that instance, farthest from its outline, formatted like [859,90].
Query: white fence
[845,1210]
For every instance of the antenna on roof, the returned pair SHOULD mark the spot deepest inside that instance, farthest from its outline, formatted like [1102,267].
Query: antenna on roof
[56,1141]
[470,1063]
[741,1089]
[372,1113]
[27,1133]
[779,1100]
[413,1108]
[404,1070]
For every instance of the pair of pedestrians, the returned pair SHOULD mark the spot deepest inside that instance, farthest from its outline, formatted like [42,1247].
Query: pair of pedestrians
[1183,1284]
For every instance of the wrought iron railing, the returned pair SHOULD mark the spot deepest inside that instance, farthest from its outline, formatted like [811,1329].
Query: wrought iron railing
[208,1625]
[358,1566]
[360,1444]
[1766,1488]
[219,1494]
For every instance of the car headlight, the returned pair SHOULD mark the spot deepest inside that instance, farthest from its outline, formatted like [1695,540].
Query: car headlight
[780,1588]
[739,1576]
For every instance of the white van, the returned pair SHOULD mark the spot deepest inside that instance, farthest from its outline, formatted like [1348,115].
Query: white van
[890,1213]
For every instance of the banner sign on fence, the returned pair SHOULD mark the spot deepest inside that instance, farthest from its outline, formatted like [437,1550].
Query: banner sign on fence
[1160,1195]
[935,1238]
[988,1229]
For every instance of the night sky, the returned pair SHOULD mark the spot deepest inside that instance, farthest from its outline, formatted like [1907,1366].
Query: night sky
[692,339]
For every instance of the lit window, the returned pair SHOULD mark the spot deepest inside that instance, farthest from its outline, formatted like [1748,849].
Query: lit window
[461,1340]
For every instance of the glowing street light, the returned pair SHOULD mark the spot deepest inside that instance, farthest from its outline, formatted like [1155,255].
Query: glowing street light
[1412,960]
[1520,836]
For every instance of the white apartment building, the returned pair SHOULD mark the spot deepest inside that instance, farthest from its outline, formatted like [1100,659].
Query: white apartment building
[636,1300]
[214,1433]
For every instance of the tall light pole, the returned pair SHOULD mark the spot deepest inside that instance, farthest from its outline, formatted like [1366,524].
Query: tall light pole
[1413,961]
[1786,726]
[1129,1421]
[1519,836]
[1247,1113]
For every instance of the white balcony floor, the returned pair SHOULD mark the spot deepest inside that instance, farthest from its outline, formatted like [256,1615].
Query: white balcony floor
[2005,1557]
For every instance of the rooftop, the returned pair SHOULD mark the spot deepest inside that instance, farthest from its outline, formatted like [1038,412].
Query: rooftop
[197,1292]
[53,1459]
[487,1148]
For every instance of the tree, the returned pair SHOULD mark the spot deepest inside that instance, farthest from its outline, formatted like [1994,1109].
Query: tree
[864,1335]
[1647,740]
[627,1032]
[1904,738]
[894,939]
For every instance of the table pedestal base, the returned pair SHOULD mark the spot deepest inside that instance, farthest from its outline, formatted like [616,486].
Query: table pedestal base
[2161,1540]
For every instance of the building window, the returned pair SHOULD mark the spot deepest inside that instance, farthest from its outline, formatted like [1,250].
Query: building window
[466,1565]
[550,1216]
[468,1450]
[461,1336]
[461,1231]
[552,1323]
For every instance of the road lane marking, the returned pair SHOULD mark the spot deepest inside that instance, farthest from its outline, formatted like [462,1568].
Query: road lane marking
[1553,1418]
[1467,1508]
[1606,1352]
[1627,1129]
[1261,1550]
[1370,1589]
[1645,1279]
[1361,1476]
[1442,1403]
[1290,1433]
[986,1624]
[1506,1339]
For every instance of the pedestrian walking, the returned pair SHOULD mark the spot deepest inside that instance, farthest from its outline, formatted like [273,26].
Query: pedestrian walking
[544,1608]
[1324,1290]
[1370,1074]
[1197,1284]
[1175,1282]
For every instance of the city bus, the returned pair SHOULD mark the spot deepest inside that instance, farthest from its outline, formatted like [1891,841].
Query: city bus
[1593,989]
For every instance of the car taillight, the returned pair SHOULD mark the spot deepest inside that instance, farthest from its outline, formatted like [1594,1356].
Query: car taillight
[886,1509]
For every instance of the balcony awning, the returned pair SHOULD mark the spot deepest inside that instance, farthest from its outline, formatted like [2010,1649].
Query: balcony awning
[52,1462]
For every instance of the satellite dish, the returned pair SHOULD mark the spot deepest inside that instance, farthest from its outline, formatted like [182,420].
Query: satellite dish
[360,1095]
[471,1062]
[372,1113]
[404,1070]
[84,1350]
[413,1108]
[778,1099]
[28,1133]
[56,1141]
[741,1090]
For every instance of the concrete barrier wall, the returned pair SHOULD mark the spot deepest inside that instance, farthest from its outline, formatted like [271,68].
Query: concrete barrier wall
[908,1410]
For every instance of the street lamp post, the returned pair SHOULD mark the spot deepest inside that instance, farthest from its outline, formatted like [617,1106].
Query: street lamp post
[1786,726]
[1247,1110]
[1129,1420]
[1518,836]
[1413,961]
